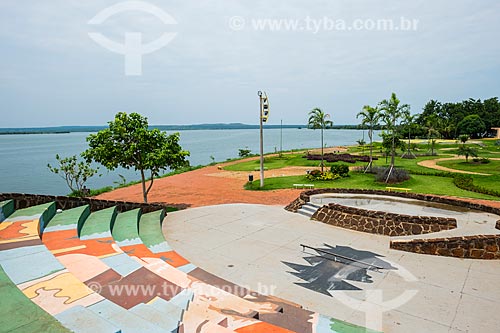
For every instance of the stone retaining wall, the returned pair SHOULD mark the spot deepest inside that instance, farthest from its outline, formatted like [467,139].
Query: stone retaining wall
[473,247]
[304,197]
[382,223]
[22,200]
[498,225]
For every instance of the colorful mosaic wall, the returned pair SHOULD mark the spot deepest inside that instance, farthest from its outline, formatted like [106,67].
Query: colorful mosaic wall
[109,271]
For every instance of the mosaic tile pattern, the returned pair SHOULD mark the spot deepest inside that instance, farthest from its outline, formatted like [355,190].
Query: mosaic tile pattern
[106,271]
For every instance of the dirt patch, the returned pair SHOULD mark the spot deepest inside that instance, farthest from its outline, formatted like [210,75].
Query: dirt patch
[432,164]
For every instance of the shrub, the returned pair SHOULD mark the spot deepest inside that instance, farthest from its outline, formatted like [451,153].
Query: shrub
[317,175]
[244,152]
[466,182]
[497,143]
[340,169]
[397,175]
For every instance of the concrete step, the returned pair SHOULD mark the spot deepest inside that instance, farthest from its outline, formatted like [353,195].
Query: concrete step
[305,212]
[308,209]
[82,320]
[125,319]
[317,206]
[161,319]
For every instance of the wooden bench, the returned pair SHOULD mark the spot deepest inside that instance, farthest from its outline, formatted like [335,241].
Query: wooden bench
[303,185]
[398,189]
[258,169]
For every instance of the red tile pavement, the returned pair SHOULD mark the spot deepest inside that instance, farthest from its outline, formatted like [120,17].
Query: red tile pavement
[204,187]
[212,186]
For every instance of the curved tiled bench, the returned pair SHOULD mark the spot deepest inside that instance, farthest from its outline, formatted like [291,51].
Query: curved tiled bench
[159,257]
[40,276]
[65,254]
[96,260]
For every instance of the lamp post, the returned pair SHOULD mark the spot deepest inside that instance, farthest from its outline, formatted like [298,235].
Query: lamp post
[263,115]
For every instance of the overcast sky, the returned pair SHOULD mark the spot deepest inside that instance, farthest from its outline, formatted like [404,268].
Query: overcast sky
[52,73]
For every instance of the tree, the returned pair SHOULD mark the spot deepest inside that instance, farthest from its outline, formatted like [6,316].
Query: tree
[392,111]
[244,152]
[472,125]
[408,120]
[319,120]
[431,123]
[370,117]
[466,151]
[73,172]
[129,143]
[463,138]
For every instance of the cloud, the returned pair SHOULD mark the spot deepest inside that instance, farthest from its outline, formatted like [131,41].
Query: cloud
[52,73]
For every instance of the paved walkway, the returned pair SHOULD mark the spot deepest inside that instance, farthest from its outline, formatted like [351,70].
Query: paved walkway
[432,164]
[212,186]
[208,186]
[259,246]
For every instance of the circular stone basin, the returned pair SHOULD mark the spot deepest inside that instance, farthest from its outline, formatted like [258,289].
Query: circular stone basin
[390,204]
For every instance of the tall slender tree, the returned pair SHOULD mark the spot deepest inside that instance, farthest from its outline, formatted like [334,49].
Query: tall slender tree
[370,117]
[408,121]
[392,111]
[319,120]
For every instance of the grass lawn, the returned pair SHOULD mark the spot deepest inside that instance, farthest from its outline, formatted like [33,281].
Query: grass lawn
[418,184]
[492,168]
[276,162]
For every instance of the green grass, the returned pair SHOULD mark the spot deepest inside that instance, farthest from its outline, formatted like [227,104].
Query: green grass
[276,162]
[418,184]
[492,168]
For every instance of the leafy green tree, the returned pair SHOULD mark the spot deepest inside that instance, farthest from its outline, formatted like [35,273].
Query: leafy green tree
[466,151]
[244,152]
[74,172]
[319,120]
[431,125]
[463,138]
[129,143]
[472,125]
[370,117]
[392,111]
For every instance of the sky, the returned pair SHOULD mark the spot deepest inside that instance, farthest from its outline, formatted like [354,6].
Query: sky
[328,54]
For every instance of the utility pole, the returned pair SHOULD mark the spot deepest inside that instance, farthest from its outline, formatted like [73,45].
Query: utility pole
[263,115]
[281,137]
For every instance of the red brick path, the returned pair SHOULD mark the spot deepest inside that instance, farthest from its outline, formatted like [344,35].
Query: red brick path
[203,187]
[211,186]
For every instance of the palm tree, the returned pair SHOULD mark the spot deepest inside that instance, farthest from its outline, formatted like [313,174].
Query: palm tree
[431,125]
[370,117]
[319,120]
[408,120]
[392,111]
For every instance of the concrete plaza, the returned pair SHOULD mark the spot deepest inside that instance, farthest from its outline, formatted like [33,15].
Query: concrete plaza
[250,245]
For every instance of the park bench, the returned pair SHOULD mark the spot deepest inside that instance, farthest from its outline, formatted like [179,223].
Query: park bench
[303,185]
[258,169]
[398,189]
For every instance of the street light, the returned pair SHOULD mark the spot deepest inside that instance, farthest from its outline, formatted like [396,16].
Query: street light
[263,115]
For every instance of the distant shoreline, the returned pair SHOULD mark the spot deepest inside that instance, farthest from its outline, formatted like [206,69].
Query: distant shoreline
[237,126]
[34,132]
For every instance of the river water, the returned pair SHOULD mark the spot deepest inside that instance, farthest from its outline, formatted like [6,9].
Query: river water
[24,158]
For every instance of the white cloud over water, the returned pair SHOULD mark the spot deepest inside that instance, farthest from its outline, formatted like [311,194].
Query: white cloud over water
[52,73]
